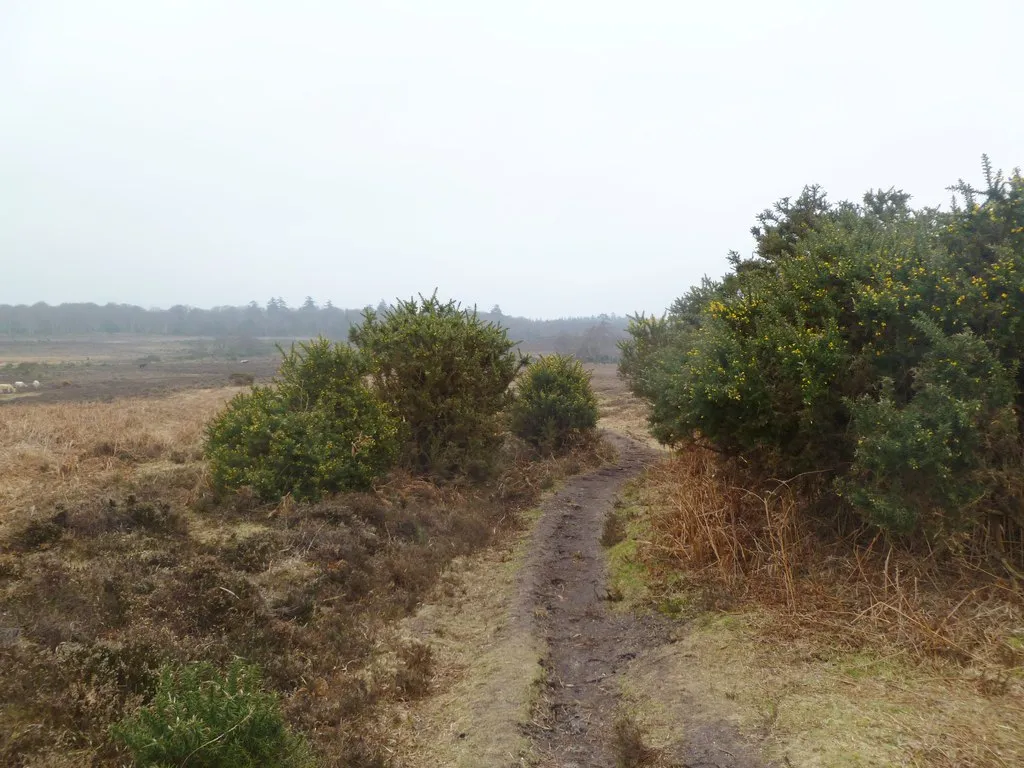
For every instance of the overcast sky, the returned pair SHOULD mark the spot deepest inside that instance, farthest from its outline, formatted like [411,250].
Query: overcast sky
[556,158]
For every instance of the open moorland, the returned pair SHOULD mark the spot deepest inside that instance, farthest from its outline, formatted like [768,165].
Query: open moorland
[117,557]
[785,529]
[545,618]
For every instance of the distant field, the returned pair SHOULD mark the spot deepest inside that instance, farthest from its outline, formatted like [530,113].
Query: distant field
[105,368]
[105,348]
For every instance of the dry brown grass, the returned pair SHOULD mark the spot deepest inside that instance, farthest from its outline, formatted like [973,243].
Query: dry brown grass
[742,545]
[114,558]
[846,650]
[69,451]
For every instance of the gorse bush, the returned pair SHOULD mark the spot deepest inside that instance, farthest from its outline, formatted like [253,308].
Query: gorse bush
[203,718]
[319,430]
[876,342]
[949,448]
[447,373]
[555,404]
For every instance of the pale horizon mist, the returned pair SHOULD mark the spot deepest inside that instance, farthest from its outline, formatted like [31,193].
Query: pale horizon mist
[556,159]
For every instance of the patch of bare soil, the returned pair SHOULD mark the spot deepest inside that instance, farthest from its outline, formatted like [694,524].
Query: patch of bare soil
[563,595]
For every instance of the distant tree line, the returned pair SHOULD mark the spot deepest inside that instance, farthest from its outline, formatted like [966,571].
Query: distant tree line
[275,318]
[590,337]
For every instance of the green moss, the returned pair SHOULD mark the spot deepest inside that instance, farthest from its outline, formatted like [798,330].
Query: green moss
[631,585]
[627,578]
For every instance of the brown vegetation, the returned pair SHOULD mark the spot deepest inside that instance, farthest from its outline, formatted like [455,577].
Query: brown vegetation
[241,379]
[739,544]
[67,452]
[812,608]
[116,557]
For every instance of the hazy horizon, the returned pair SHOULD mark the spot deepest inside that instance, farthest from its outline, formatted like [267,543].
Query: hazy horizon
[505,311]
[556,159]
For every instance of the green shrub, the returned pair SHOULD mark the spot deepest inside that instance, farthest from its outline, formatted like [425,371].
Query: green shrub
[873,341]
[936,460]
[206,719]
[555,404]
[652,339]
[649,336]
[319,430]
[447,373]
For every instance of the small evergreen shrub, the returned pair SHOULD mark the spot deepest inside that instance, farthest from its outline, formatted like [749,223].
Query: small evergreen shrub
[203,718]
[555,404]
[320,430]
[447,373]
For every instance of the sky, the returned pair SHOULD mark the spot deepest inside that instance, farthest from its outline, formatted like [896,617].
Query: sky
[553,157]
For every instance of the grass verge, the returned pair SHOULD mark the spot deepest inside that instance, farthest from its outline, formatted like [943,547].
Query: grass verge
[488,667]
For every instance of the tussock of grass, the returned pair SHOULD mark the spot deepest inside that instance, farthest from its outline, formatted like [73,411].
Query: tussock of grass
[738,547]
[628,580]
[614,529]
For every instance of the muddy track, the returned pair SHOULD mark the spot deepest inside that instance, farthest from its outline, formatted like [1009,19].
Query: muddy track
[563,598]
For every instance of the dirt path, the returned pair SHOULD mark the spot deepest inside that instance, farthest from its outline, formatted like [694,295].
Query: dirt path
[563,597]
